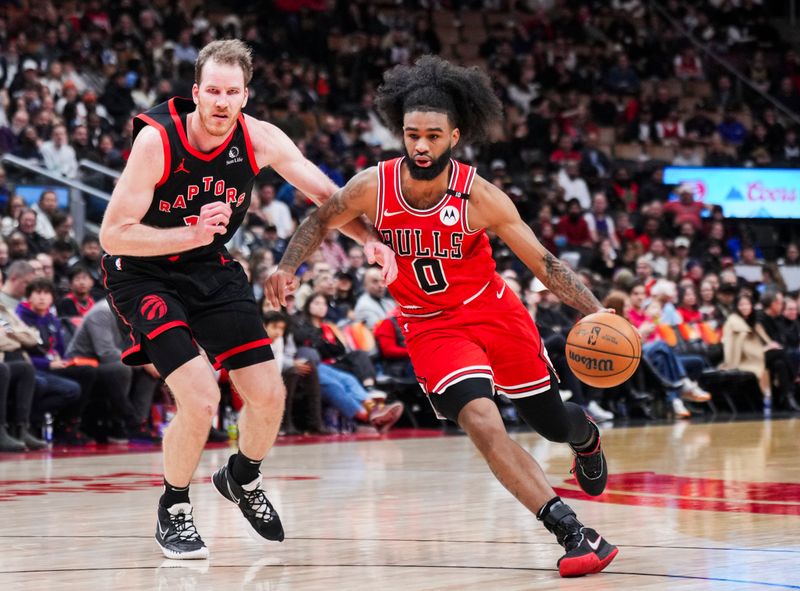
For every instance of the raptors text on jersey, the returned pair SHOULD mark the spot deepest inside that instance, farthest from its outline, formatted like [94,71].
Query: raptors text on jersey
[192,178]
[441,262]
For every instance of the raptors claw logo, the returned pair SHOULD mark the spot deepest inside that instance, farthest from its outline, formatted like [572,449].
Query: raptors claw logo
[153,307]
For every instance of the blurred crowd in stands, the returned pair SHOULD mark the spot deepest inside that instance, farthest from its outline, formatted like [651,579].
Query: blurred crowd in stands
[599,97]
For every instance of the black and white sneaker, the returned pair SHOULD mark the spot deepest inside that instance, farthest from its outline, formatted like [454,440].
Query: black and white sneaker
[252,502]
[590,468]
[177,535]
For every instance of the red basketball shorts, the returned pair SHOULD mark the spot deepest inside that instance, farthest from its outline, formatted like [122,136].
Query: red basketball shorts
[491,337]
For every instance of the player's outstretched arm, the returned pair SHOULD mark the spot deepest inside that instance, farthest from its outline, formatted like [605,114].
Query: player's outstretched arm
[345,205]
[281,153]
[492,209]
[122,231]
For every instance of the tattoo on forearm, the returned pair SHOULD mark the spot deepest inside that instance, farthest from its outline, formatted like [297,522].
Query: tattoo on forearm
[568,286]
[311,232]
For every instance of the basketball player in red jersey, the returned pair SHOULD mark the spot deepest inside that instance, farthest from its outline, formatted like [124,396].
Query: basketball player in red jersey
[467,335]
[183,194]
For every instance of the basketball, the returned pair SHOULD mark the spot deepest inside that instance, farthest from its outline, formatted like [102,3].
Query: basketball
[603,350]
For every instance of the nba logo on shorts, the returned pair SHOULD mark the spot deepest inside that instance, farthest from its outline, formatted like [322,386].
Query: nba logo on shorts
[153,307]
[449,216]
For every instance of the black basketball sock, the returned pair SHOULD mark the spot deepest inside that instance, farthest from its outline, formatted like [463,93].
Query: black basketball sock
[244,470]
[589,444]
[174,495]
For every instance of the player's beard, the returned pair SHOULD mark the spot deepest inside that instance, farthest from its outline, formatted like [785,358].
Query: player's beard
[428,173]
[215,126]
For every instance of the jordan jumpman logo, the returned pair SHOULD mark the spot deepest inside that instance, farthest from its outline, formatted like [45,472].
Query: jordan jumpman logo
[181,167]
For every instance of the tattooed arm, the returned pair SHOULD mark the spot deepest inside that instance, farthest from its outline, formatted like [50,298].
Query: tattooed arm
[490,208]
[348,203]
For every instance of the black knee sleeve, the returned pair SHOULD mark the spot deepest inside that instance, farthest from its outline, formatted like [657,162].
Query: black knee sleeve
[171,349]
[552,418]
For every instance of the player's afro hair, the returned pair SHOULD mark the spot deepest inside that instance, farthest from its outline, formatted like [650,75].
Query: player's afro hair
[434,84]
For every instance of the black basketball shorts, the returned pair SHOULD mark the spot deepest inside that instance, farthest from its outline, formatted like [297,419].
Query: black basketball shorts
[208,296]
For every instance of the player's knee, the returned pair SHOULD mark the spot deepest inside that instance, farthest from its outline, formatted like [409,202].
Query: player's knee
[544,412]
[482,422]
[266,398]
[202,406]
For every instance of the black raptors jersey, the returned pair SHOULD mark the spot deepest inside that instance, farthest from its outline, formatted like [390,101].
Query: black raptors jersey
[192,178]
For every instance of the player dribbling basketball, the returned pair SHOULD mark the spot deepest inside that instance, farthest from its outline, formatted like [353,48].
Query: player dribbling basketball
[467,335]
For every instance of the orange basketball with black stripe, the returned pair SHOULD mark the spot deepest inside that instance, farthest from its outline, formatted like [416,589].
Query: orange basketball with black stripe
[603,350]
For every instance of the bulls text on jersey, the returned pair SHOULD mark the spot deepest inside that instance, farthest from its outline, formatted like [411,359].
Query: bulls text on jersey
[414,242]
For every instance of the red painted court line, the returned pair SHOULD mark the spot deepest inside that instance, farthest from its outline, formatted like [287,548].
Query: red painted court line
[670,491]
[650,482]
[129,448]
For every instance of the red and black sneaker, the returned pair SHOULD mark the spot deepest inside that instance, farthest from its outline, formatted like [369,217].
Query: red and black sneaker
[590,468]
[587,551]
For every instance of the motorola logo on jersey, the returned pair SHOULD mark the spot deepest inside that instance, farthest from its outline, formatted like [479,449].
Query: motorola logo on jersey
[422,243]
[153,307]
[217,188]
[449,216]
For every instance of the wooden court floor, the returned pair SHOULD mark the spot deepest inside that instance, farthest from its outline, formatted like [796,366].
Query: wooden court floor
[691,506]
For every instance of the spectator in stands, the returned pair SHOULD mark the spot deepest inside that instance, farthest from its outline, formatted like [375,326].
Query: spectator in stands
[45,208]
[276,212]
[303,411]
[687,154]
[564,153]
[17,277]
[777,357]
[344,379]
[17,383]
[27,226]
[718,154]
[688,306]
[670,130]
[89,259]
[17,246]
[710,310]
[790,327]
[686,209]
[731,129]
[622,77]
[64,384]
[667,364]
[58,155]
[744,343]
[392,347]
[61,253]
[688,65]
[123,394]
[77,302]
[11,134]
[594,161]
[600,223]
[344,296]
[700,126]
[373,305]
[29,145]
[574,228]
[332,251]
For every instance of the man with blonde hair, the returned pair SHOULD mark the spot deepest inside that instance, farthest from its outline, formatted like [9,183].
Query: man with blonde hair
[183,194]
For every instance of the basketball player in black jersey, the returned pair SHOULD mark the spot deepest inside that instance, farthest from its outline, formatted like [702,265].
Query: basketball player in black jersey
[182,195]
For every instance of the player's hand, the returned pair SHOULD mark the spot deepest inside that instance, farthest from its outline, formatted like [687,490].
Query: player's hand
[609,310]
[279,285]
[214,218]
[378,252]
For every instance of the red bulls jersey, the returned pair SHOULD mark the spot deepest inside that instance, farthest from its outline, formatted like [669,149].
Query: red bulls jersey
[441,263]
[192,178]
